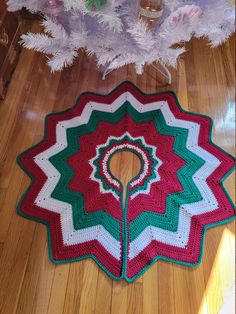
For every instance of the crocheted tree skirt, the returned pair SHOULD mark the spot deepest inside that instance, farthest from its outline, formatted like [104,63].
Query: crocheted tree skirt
[177,195]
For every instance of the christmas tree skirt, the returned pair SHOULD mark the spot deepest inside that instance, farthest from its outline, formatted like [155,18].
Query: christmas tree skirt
[176,196]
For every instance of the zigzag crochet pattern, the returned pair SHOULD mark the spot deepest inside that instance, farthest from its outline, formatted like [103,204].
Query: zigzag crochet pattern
[176,196]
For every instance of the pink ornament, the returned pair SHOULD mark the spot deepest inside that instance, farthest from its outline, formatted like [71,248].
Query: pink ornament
[185,14]
[53,8]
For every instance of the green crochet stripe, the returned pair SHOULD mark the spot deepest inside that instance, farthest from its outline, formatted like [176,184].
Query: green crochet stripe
[114,141]
[167,221]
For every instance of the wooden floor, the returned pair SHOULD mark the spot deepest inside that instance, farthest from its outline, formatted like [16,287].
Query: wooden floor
[29,282]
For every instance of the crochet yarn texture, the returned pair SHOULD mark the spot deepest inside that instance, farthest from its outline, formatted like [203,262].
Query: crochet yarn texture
[176,196]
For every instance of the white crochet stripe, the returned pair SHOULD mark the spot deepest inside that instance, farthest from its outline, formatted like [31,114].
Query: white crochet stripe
[207,204]
[129,146]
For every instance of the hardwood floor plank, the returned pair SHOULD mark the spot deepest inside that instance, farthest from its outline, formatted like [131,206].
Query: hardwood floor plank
[104,288]
[182,87]
[13,260]
[119,301]
[9,204]
[58,291]
[165,279]
[2,198]
[74,288]
[182,297]
[135,298]
[1,248]
[31,277]
[44,283]
[89,288]
[150,291]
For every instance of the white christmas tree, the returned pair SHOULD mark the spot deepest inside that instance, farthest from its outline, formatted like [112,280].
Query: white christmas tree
[113,31]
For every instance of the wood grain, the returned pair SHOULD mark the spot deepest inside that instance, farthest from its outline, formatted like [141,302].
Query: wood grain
[29,282]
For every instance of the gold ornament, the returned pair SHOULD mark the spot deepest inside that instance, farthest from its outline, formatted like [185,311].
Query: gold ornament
[150,11]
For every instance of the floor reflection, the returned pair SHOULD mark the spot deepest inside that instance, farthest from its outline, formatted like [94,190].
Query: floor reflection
[225,124]
[222,277]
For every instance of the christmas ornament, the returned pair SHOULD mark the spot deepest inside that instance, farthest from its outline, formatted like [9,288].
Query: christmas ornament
[150,11]
[175,198]
[185,14]
[53,9]
[95,5]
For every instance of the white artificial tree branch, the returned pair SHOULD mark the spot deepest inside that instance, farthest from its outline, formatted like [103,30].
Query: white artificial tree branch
[117,36]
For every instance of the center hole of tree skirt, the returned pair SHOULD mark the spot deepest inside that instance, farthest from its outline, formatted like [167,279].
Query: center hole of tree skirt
[125,166]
